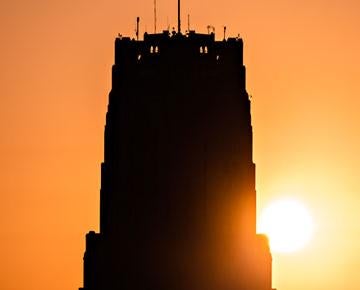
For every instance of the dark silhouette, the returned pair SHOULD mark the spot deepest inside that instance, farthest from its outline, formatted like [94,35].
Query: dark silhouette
[177,199]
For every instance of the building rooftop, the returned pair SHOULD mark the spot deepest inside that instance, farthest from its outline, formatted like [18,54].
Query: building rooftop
[173,35]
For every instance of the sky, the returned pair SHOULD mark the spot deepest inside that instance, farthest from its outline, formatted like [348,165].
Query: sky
[303,72]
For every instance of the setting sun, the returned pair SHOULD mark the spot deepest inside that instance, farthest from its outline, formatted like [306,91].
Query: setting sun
[288,225]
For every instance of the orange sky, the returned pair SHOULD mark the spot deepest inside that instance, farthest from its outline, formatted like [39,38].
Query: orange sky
[303,71]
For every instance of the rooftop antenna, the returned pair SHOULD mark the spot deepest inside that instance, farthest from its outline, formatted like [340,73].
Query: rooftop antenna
[137,27]
[210,28]
[189,22]
[154,16]
[224,32]
[179,22]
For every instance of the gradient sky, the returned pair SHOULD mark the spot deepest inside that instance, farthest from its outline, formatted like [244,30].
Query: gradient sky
[303,71]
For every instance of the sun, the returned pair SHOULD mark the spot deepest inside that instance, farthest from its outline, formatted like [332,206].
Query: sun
[288,225]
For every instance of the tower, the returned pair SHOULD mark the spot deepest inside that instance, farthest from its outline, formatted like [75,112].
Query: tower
[178,199]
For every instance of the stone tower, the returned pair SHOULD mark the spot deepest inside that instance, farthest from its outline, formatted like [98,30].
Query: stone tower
[178,199]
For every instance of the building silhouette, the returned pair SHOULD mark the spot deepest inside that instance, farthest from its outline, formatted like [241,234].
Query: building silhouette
[178,199]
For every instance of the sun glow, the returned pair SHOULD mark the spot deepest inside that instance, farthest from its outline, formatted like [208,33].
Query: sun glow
[288,225]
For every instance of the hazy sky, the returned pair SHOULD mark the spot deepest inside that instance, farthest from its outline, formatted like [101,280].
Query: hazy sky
[303,71]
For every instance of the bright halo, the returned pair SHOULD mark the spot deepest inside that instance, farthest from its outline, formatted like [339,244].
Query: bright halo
[288,225]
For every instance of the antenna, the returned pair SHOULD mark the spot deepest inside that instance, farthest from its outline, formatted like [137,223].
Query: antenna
[224,32]
[189,22]
[179,22]
[210,28]
[154,16]
[137,27]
